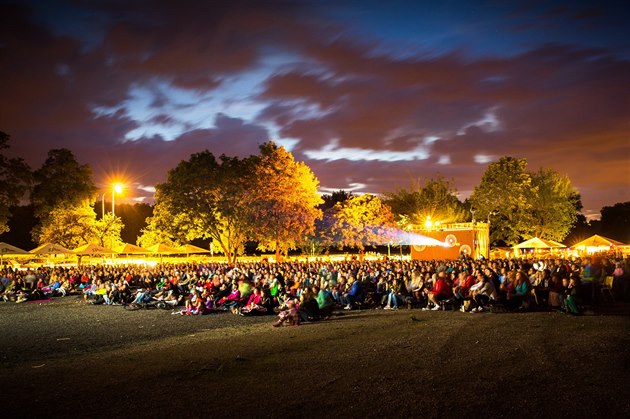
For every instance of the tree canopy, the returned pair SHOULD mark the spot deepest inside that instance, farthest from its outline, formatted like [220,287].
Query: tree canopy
[15,181]
[522,204]
[61,181]
[434,198]
[555,205]
[70,226]
[269,198]
[204,198]
[283,200]
[362,221]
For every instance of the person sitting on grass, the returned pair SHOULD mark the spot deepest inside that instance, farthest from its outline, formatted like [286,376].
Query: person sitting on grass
[518,298]
[308,308]
[556,292]
[325,301]
[355,293]
[254,305]
[461,287]
[195,305]
[482,292]
[289,314]
[231,300]
[393,297]
[89,291]
[442,290]
[415,288]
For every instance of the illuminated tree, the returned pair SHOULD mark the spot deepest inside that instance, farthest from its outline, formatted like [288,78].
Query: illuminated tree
[61,182]
[362,221]
[504,193]
[522,205]
[15,180]
[283,199]
[555,205]
[206,198]
[435,198]
[164,228]
[321,237]
[70,226]
[107,231]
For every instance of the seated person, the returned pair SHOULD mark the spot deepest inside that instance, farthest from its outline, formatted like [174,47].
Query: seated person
[289,314]
[230,301]
[255,305]
[393,296]
[482,292]
[308,307]
[325,301]
[556,292]
[518,297]
[441,291]
[355,293]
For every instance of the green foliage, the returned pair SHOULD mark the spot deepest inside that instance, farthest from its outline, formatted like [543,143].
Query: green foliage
[503,194]
[61,182]
[331,199]
[269,198]
[362,221]
[204,198]
[524,205]
[321,237]
[163,227]
[435,198]
[15,181]
[70,226]
[554,205]
[107,231]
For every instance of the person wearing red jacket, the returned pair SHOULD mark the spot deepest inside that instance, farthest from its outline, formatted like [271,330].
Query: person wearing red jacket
[442,290]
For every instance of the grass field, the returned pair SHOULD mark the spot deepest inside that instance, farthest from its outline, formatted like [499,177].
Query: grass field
[68,359]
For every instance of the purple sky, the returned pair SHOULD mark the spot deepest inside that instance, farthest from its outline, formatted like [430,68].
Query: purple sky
[370,94]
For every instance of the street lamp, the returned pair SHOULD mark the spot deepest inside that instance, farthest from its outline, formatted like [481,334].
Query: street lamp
[116,188]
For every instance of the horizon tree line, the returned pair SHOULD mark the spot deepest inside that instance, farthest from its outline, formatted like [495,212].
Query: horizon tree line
[271,199]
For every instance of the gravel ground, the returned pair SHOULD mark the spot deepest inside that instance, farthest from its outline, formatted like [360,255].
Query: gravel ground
[66,359]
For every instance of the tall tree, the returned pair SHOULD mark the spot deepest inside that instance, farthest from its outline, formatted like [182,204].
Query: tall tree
[283,199]
[504,193]
[434,198]
[15,181]
[555,205]
[362,221]
[615,221]
[107,231]
[206,198]
[320,238]
[163,227]
[61,181]
[70,226]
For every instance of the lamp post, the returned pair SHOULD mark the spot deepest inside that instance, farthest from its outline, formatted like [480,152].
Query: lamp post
[117,188]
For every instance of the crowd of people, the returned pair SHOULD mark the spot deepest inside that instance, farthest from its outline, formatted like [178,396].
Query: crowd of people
[298,291]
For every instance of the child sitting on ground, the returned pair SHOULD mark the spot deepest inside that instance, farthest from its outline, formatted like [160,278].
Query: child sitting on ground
[290,314]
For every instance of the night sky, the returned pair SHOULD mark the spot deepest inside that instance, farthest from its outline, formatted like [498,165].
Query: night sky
[370,94]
